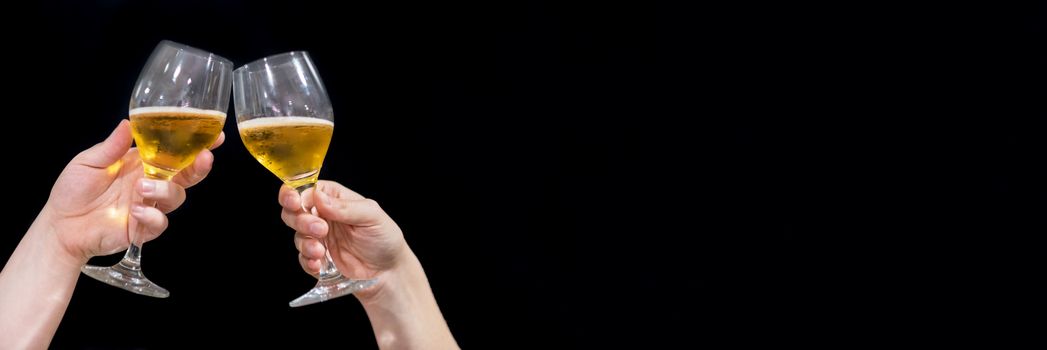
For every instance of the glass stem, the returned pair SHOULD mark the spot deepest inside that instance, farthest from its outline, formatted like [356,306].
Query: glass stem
[133,257]
[327,270]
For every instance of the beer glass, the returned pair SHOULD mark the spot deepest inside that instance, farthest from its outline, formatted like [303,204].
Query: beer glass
[286,122]
[177,110]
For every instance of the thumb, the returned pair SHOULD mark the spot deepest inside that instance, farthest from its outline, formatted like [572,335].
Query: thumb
[109,151]
[360,212]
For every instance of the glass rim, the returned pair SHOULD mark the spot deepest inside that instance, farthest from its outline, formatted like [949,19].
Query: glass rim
[195,51]
[278,59]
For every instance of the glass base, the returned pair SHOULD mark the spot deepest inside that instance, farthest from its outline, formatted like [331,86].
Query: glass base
[331,288]
[126,277]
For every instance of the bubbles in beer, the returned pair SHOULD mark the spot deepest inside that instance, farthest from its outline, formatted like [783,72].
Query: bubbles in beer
[292,148]
[169,138]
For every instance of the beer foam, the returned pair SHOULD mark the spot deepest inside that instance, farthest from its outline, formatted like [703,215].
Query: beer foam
[176,110]
[282,121]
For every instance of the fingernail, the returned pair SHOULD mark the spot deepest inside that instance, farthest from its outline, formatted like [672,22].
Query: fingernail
[287,200]
[137,209]
[316,228]
[148,186]
[207,156]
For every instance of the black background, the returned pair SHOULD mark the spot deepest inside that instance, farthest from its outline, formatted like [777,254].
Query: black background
[580,173]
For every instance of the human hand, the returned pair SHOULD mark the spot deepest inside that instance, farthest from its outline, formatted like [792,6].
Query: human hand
[89,203]
[364,241]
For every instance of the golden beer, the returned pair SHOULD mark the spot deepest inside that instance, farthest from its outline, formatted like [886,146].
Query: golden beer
[169,138]
[293,148]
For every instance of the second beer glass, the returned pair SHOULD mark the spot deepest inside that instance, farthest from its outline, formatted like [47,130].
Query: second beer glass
[286,122]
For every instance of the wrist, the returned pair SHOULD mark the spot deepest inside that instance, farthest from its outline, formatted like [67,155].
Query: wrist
[45,233]
[394,285]
[403,311]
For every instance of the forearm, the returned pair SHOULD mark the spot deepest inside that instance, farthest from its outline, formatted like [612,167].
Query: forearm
[35,287]
[403,311]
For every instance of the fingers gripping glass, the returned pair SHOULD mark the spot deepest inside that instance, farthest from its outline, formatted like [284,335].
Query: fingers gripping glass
[177,110]
[286,121]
